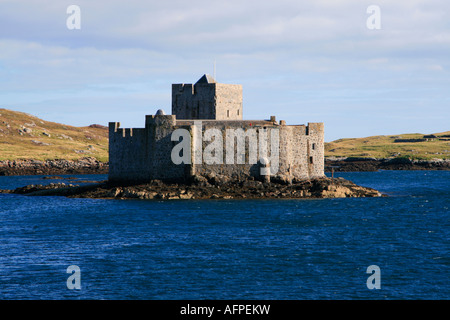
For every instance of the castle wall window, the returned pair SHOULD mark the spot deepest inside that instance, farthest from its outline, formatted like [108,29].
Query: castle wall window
[238,112]
[311,160]
[313,146]
[228,113]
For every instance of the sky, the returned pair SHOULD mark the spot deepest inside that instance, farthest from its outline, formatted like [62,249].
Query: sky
[361,72]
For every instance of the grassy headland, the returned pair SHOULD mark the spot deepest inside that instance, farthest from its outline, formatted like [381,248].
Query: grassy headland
[412,145]
[23,136]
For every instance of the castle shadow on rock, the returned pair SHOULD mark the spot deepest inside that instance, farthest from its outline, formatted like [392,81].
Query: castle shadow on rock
[206,129]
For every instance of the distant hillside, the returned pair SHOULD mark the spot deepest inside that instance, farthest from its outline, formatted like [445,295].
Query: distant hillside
[414,146]
[23,136]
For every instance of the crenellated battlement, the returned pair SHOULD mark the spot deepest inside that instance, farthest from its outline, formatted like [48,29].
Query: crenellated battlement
[114,129]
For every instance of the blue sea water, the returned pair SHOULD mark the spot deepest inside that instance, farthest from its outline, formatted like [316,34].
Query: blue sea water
[231,249]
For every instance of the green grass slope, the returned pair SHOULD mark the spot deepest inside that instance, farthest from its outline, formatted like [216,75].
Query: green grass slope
[23,136]
[414,146]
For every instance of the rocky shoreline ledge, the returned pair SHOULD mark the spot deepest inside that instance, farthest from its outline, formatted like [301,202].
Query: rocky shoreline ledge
[21,167]
[373,164]
[213,187]
[91,165]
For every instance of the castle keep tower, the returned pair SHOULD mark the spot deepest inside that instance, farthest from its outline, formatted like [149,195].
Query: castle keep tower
[207,99]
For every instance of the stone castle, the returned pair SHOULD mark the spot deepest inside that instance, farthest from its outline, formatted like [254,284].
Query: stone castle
[206,134]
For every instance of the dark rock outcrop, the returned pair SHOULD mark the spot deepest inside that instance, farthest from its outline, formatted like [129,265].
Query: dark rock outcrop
[203,188]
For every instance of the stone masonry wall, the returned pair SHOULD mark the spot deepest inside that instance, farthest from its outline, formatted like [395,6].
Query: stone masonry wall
[207,101]
[128,153]
[235,164]
[144,154]
[228,101]
[193,101]
[316,149]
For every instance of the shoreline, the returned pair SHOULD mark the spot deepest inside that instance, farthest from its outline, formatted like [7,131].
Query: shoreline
[88,165]
[371,164]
